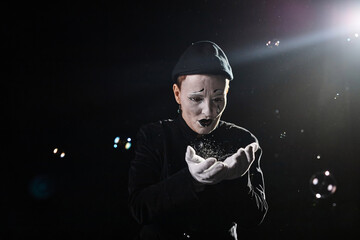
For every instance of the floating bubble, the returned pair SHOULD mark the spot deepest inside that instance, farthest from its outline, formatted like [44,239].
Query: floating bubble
[122,143]
[302,130]
[348,39]
[277,113]
[315,181]
[330,187]
[127,145]
[336,96]
[322,184]
[283,135]
[186,235]
[272,43]
[318,156]
[356,35]
[59,152]
[40,187]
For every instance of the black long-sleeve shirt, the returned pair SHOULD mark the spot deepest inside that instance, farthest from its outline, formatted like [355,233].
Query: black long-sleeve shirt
[162,191]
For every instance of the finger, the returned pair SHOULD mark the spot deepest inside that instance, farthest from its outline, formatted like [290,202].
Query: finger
[202,166]
[213,165]
[191,156]
[241,153]
[211,158]
[233,159]
[255,146]
[190,152]
[230,161]
[249,152]
[216,173]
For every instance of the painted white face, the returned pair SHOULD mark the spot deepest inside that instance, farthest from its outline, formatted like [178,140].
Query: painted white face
[203,100]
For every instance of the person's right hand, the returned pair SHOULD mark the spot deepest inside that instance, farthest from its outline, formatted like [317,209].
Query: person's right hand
[239,163]
[206,171]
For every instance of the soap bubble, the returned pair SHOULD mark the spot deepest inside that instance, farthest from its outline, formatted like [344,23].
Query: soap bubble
[272,43]
[127,145]
[122,143]
[41,187]
[322,184]
[277,113]
[283,135]
[59,153]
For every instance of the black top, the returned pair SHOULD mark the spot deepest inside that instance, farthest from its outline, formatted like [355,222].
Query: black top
[161,188]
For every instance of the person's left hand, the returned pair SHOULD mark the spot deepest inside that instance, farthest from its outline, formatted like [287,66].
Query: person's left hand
[240,162]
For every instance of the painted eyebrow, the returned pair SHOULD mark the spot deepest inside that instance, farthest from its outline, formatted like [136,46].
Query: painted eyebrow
[199,91]
[218,90]
[214,90]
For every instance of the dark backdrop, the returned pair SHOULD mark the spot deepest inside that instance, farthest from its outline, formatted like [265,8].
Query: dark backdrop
[78,75]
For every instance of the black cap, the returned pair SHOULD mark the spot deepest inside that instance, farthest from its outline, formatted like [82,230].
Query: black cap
[203,57]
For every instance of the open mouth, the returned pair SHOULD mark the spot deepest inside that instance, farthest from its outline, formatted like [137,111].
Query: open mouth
[205,122]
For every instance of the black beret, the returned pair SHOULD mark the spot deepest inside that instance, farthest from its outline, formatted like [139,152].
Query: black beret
[203,57]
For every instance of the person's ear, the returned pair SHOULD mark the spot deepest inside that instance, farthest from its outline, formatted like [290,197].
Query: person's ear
[176,91]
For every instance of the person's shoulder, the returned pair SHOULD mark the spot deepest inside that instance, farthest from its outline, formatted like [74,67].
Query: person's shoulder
[156,127]
[233,127]
[153,134]
[233,130]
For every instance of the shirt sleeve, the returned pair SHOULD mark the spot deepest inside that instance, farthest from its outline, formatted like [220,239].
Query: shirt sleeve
[152,194]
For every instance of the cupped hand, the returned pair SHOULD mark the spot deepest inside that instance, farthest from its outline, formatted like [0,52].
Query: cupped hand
[240,162]
[206,171]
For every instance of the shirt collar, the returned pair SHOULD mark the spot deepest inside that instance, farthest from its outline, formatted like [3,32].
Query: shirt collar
[188,132]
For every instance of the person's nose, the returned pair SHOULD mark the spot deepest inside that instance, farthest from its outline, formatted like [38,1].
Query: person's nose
[208,109]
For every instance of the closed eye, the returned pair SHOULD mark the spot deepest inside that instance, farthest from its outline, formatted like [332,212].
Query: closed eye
[196,99]
[218,100]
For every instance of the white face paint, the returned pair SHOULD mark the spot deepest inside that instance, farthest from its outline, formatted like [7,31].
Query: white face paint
[203,100]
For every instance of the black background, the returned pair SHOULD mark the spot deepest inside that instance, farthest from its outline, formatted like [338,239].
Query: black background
[78,75]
